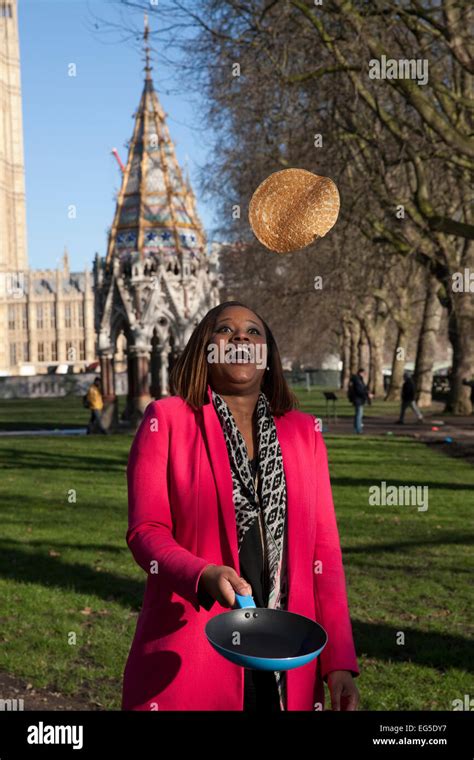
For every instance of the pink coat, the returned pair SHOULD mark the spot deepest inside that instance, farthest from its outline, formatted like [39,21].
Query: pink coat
[181,518]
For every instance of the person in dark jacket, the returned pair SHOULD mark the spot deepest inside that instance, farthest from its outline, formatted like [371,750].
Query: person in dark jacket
[359,395]
[471,385]
[408,399]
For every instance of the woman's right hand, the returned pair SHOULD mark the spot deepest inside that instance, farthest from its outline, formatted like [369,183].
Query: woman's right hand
[222,583]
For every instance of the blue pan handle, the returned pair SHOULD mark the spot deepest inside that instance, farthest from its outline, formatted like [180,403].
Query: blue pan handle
[244,601]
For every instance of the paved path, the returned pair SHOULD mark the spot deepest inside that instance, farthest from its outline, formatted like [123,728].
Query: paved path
[436,429]
[451,435]
[56,432]
[433,427]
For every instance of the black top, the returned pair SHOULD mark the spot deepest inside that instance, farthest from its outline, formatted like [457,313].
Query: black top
[260,689]
[360,391]
[408,390]
[251,557]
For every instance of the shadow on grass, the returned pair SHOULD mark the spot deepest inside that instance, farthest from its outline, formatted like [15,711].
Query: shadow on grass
[13,458]
[17,425]
[448,539]
[437,650]
[427,648]
[343,482]
[105,548]
[39,568]
[411,572]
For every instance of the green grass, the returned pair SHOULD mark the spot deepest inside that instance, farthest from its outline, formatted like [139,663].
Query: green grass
[313,402]
[68,412]
[407,571]
[44,413]
[61,558]
[71,591]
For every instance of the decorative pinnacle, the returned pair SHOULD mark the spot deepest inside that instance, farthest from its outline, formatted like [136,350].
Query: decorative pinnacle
[146,33]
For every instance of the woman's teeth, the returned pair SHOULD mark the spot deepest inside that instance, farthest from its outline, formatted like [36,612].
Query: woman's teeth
[241,355]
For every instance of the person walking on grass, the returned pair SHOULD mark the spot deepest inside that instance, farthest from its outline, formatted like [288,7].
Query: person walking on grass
[470,383]
[358,395]
[408,399]
[96,404]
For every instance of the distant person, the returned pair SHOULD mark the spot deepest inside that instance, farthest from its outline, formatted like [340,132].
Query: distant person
[358,395]
[96,404]
[471,385]
[408,399]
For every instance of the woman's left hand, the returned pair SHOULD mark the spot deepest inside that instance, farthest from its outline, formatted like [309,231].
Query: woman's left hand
[344,692]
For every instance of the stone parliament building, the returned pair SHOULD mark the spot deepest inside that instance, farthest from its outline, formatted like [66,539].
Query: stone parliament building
[134,312]
[46,316]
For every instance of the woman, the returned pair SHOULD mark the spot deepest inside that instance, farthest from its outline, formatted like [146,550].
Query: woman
[229,492]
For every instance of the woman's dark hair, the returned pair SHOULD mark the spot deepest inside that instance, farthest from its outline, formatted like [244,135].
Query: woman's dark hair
[189,375]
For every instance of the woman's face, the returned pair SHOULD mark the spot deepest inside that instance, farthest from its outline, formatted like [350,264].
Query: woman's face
[237,351]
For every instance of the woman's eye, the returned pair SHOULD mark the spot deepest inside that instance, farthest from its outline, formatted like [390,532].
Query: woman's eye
[226,327]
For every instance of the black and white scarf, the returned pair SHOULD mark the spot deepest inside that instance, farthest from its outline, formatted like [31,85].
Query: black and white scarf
[273,497]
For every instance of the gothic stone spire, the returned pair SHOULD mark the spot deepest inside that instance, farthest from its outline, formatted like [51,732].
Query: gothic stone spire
[157,280]
[153,214]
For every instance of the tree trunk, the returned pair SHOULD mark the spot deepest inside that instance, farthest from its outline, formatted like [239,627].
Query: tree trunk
[376,362]
[363,358]
[346,355]
[398,364]
[426,348]
[376,338]
[354,326]
[461,335]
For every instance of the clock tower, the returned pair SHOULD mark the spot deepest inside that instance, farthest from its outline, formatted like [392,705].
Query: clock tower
[13,254]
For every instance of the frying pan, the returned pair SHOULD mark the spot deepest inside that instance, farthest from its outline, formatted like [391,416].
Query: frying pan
[269,639]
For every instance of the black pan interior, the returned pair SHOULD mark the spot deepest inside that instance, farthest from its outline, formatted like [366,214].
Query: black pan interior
[266,633]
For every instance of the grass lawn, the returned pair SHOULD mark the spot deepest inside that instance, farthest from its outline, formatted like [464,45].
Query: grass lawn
[67,412]
[313,402]
[44,414]
[71,591]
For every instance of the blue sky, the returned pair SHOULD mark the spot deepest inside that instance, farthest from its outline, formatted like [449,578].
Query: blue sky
[70,124]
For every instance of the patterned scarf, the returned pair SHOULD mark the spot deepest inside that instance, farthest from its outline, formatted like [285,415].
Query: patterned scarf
[273,496]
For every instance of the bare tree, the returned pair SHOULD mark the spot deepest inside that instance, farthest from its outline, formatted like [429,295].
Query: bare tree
[278,76]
